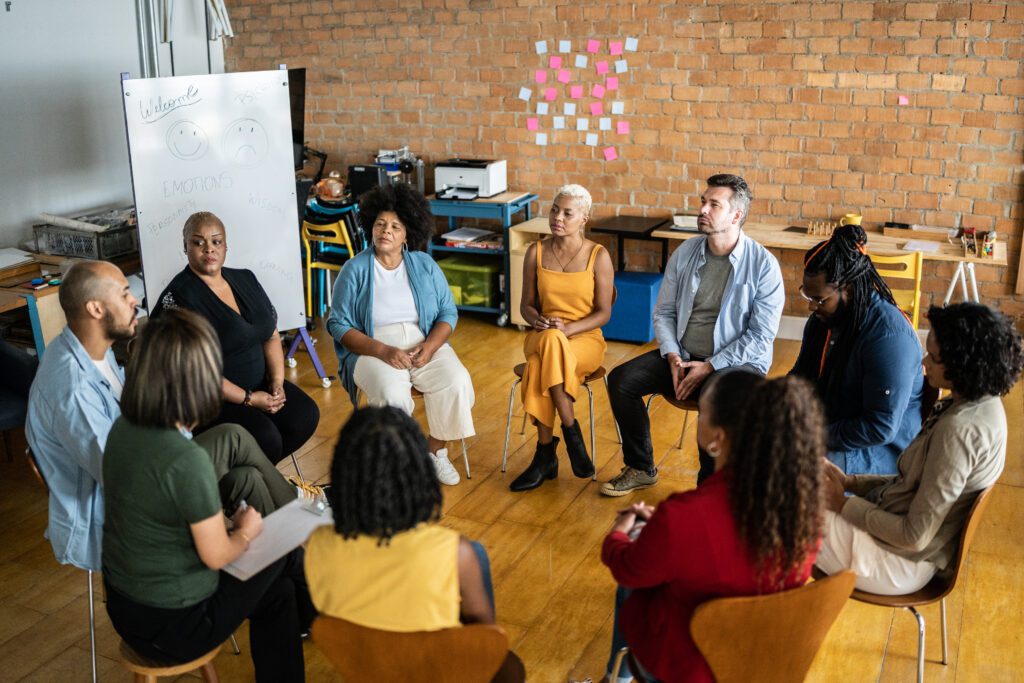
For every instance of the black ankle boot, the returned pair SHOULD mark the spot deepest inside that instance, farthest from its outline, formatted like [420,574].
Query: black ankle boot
[544,466]
[576,447]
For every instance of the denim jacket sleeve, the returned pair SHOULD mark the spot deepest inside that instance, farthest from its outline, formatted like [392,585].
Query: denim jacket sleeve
[754,346]
[665,309]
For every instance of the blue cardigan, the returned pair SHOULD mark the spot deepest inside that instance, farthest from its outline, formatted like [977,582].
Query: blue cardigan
[352,303]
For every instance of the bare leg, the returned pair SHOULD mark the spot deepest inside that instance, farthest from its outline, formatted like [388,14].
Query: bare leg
[563,404]
[433,445]
[544,434]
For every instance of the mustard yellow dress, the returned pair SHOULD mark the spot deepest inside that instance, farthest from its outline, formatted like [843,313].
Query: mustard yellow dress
[553,359]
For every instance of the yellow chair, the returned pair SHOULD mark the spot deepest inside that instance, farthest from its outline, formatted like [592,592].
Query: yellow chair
[332,233]
[903,268]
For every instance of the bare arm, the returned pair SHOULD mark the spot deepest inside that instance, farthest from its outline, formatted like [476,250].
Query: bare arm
[476,606]
[528,307]
[273,352]
[216,547]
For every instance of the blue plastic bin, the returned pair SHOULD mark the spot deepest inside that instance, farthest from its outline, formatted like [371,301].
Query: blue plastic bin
[634,307]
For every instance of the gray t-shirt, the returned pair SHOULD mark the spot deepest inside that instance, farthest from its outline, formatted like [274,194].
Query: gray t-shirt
[699,338]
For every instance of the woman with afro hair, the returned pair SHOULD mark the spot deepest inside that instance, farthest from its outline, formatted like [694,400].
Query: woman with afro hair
[391,318]
[897,532]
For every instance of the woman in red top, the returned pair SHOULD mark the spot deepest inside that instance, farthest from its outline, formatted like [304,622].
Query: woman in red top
[750,528]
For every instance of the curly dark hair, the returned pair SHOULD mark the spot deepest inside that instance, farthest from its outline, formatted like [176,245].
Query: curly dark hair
[382,480]
[412,208]
[776,488]
[980,350]
[727,393]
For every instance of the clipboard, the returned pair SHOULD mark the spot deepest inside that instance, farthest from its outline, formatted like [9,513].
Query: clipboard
[284,530]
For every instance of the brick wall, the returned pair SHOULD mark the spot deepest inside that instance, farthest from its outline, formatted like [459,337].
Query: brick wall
[801,98]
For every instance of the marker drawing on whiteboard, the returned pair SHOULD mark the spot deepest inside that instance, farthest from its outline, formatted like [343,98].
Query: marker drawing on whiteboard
[251,95]
[176,218]
[245,142]
[205,183]
[267,266]
[158,107]
[265,203]
[187,141]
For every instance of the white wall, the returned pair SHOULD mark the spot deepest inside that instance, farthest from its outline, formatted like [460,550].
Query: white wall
[62,137]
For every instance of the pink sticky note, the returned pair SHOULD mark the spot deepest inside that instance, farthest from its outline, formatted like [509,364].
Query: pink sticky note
[904,100]
[564,76]
[555,62]
[593,45]
[615,47]
[550,94]
[596,109]
[597,91]
[531,124]
[612,83]
[610,154]
[540,76]
[622,127]
[602,67]
[576,92]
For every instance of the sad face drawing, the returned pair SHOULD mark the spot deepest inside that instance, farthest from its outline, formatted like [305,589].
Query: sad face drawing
[245,142]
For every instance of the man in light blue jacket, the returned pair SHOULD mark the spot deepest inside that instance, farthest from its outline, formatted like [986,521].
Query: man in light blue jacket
[718,310]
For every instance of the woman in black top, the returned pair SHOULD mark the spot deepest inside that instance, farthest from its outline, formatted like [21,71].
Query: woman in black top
[256,396]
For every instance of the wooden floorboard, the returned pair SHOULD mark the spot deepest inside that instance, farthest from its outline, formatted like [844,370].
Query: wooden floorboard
[554,597]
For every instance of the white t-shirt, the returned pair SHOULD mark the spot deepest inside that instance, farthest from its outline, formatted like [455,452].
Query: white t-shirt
[108,372]
[392,296]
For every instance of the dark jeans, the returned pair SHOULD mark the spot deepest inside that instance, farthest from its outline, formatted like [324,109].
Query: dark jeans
[628,384]
[485,570]
[619,642]
[279,434]
[276,602]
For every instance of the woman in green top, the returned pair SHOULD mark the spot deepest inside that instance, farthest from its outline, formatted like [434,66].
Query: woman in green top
[165,539]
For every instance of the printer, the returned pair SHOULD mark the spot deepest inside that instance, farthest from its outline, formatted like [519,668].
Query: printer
[470,178]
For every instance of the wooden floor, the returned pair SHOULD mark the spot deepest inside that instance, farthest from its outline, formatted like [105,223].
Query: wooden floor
[554,597]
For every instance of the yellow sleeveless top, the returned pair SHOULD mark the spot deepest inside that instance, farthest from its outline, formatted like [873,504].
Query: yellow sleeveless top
[410,585]
[569,296]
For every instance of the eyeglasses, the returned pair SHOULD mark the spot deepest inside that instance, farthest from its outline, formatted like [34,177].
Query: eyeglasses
[817,301]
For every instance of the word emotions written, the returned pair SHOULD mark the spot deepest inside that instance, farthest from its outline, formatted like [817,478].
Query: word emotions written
[158,107]
[197,184]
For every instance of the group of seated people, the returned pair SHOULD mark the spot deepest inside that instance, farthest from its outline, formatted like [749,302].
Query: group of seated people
[829,465]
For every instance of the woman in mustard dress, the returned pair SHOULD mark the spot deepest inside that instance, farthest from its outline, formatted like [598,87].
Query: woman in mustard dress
[568,282]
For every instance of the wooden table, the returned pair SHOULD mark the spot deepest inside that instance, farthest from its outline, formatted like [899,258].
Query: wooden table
[632,228]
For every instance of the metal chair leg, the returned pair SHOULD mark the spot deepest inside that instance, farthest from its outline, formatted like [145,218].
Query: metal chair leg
[295,462]
[92,626]
[618,432]
[945,649]
[508,423]
[620,655]
[465,459]
[920,644]
[593,442]
[686,419]
[234,645]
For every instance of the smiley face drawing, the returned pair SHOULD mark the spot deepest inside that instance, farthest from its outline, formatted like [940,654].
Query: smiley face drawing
[245,142]
[187,141]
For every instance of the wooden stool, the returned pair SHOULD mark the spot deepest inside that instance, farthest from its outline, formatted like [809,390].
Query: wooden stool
[148,671]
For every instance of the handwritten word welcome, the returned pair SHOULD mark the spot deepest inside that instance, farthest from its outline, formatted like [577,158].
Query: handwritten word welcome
[159,107]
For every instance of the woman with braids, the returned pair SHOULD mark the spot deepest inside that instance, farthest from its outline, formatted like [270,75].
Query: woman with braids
[895,533]
[387,563]
[862,353]
[752,527]
[391,317]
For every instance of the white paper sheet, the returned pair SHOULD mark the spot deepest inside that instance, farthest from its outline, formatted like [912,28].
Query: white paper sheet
[283,531]
[924,246]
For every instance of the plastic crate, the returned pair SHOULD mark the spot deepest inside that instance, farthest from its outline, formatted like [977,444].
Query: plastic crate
[53,239]
[474,281]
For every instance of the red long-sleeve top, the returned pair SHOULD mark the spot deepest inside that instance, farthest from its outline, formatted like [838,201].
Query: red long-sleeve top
[689,552]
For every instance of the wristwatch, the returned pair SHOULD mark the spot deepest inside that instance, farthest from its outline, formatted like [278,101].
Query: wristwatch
[248,398]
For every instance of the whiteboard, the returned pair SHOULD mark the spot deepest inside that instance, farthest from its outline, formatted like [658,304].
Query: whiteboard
[220,143]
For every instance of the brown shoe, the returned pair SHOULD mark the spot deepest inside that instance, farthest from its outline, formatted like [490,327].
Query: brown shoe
[629,480]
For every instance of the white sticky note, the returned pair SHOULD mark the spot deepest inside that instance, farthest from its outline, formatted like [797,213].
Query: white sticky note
[542,46]
[542,107]
[621,66]
[592,139]
[618,108]
[581,61]
[564,46]
[559,122]
[569,109]
[604,124]
[542,139]
[631,44]
[582,124]
[525,94]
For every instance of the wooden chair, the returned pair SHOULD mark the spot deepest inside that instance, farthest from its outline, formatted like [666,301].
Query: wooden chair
[687,405]
[465,654]
[769,638]
[519,371]
[148,671]
[937,589]
[313,238]
[906,268]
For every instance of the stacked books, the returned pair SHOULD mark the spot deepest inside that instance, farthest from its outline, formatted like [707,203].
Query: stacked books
[473,238]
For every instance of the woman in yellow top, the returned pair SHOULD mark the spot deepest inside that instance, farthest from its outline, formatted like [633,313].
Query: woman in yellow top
[386,563]
[568,282]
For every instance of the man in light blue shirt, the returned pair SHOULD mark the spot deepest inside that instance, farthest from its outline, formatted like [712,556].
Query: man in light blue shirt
[718,310]
[73,404]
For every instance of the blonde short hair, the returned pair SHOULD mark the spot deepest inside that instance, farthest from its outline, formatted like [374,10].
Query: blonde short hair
[579,193]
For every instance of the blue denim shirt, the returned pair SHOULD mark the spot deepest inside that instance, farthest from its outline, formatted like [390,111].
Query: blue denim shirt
[352,303]
[71,409]
[751,304]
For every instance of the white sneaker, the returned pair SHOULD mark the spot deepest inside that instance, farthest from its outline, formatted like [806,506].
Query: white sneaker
[446,472]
